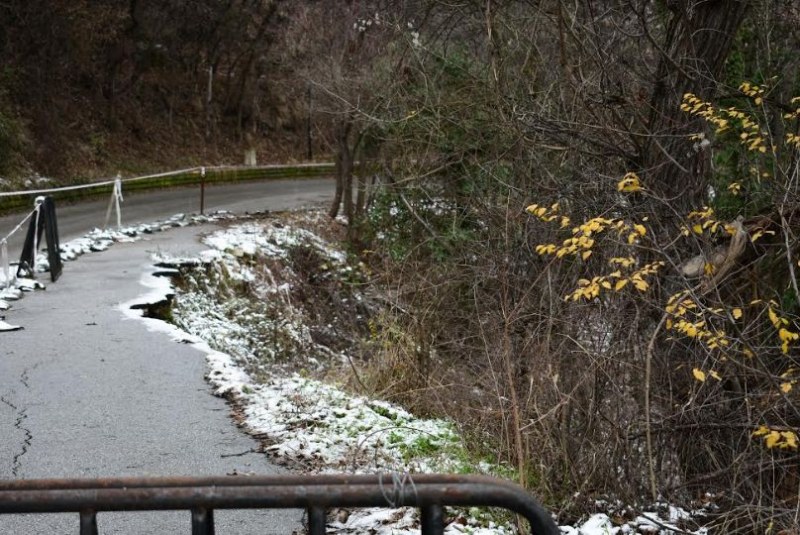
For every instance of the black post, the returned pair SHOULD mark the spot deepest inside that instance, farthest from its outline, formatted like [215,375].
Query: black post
[202,521]
[316,520]
[202,189]
[432,519]
[88,523]
[43,221]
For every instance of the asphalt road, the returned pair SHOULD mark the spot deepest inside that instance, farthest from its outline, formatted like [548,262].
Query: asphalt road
[85,392]
[143,207]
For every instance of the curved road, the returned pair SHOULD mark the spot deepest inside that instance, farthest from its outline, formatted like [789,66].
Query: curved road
[144,207]
[87,393]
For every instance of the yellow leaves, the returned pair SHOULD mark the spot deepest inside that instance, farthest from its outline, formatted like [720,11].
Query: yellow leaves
[545,249]
[639,229]
[786,337]
[593,226]
[774,438]
[587,289]
[753,91]
[756,144]
[686,318]
[692,330]
[699,374]
[757,234]
[623,262]
[735,188]
[786,387]
[630,183]
[704,213]
[789,439]
[543,212]
[586,254]
[639,283]
[591,289]
[776,320]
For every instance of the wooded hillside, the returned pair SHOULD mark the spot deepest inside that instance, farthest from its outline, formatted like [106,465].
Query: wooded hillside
[97,86]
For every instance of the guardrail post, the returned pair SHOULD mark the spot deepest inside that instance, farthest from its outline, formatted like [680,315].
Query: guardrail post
[88,522]
[43,221]
[202,521]
[316,521]
[432,520]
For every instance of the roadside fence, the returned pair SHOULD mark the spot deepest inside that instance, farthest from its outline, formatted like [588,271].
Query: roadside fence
[200,175]
[430,493]
[42,219]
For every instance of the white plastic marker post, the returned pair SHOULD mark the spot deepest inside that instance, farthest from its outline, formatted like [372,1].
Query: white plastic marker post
[37,209]
[113,202]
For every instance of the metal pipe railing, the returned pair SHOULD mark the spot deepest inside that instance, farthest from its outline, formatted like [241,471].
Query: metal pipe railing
[429,492]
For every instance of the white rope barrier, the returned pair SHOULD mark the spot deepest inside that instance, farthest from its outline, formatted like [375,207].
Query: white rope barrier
[111,182]
[25,220]
[4,261]
[95,184]
[117,198]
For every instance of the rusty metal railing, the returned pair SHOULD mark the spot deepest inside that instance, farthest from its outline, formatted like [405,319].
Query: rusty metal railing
[430,493]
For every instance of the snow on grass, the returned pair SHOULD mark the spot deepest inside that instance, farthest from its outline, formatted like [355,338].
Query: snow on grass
[330,430]
[308,423]
[269,240]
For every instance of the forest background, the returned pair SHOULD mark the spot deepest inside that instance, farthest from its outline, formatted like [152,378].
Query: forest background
[589,207]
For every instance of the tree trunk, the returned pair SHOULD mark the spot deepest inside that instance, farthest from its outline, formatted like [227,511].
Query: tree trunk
[361,185]
[343,171]
[347,171]
[698,41]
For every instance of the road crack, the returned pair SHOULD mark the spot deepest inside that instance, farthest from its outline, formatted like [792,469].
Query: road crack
[19,422]
[22,415]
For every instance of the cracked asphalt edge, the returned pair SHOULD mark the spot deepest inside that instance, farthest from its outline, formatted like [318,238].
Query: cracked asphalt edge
[21,416]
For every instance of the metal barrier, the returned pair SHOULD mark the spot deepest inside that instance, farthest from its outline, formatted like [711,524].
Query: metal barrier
[429,492]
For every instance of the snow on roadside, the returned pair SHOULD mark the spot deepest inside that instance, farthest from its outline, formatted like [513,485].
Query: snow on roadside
[320,427]
[310,424]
